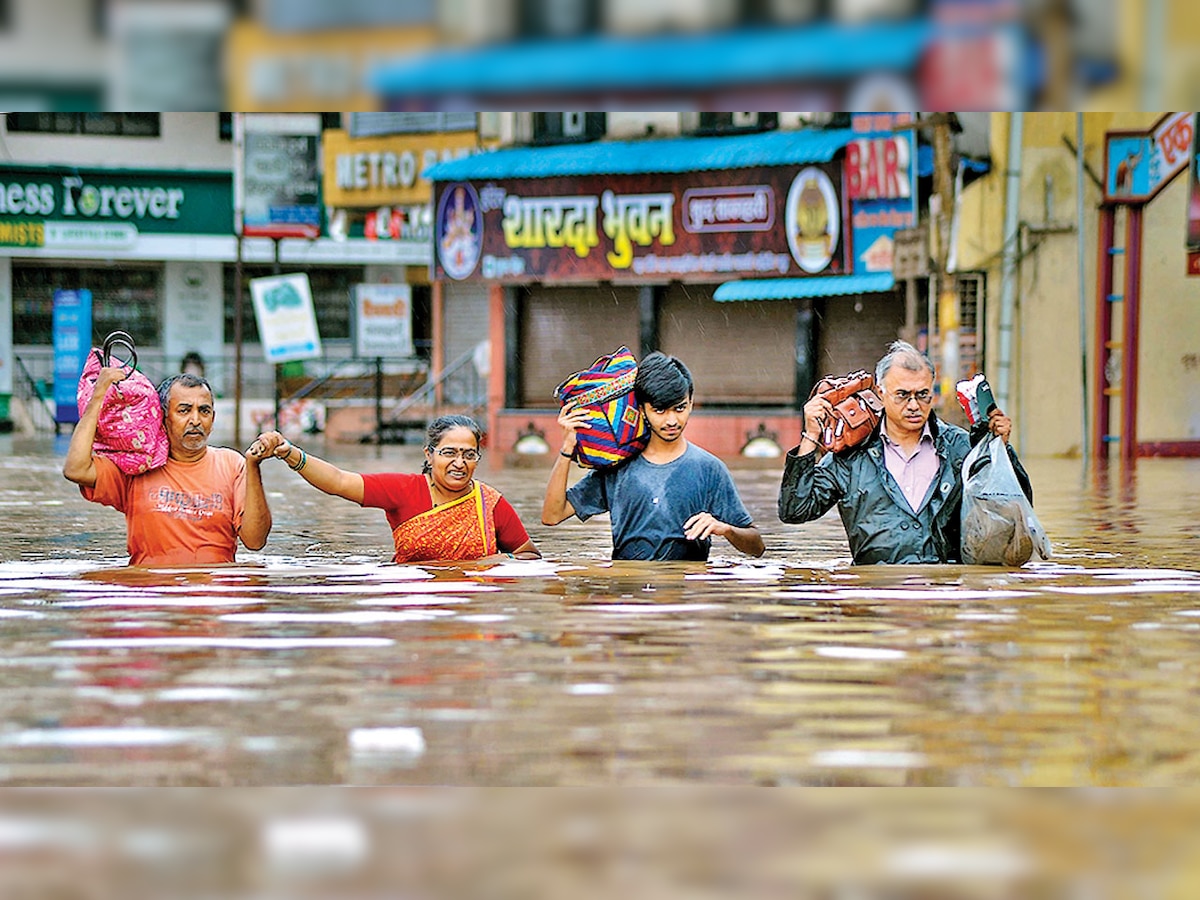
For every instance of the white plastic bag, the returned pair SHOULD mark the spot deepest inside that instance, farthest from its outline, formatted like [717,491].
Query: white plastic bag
[999,527]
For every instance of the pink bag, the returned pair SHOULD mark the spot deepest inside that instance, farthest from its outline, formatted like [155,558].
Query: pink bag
[130,429]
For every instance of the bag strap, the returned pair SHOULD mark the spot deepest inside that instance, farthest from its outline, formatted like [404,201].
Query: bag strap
[119,339]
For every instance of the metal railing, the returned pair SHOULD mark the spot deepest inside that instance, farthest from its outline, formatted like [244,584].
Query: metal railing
[33,398]
[459,385]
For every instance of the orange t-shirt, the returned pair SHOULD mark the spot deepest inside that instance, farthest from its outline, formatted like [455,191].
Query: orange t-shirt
[181,514]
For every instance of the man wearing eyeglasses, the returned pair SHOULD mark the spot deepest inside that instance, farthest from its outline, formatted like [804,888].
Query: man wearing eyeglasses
[899,493]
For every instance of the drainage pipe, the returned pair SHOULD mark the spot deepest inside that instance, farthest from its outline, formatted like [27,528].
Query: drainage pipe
[1008,270]
[1080,251]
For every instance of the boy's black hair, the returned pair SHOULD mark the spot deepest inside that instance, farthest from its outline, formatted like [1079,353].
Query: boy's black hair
[662,381]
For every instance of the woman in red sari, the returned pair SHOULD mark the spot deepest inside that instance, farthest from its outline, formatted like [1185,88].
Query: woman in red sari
[441,514]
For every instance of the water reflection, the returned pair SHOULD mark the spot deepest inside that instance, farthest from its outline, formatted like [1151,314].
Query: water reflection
[316,662]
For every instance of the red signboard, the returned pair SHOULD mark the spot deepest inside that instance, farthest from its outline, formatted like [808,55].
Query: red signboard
[696,226]
[878,168]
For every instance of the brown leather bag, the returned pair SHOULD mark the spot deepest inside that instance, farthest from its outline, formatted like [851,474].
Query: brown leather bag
[856,409]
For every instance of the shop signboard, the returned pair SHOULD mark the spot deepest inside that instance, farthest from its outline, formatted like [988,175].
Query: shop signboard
[72,326]
[1137,165]
[383,320]
[880,177]
[277,184]
[283,308]
[75,208]
[697,226]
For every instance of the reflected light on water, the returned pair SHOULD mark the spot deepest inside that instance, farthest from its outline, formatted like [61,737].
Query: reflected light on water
[796,669]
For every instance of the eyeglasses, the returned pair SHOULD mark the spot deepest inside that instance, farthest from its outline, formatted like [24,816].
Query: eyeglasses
[468,455]
[922,397]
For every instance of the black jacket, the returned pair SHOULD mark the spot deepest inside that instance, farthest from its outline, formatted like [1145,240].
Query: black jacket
[880,525]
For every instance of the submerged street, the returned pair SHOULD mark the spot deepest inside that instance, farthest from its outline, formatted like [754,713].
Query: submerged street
[317,661]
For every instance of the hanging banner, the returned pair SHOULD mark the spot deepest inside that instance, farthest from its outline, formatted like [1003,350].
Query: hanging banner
[383,319]
[696,226]
[72,326]
[283,308]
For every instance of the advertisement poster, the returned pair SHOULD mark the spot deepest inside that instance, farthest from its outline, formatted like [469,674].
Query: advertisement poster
[72,342]
[383,320]
[287,324]
[278,182]
[709,226]
[6,343]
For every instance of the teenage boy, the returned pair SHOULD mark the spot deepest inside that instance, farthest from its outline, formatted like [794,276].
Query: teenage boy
[667,502]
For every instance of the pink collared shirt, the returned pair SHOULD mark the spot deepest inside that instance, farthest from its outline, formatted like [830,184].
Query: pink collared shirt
[913,473]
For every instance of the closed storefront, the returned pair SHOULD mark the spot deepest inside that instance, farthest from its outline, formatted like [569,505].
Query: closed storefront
[853,332]
[562,330]
[466,312]
[126,298]
[739,353]
[632,244]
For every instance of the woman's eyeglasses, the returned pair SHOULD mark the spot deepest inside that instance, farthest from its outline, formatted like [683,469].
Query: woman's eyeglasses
[922,397]
[451,452]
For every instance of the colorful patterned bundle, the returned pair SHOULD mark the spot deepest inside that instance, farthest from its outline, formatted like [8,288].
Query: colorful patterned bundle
[130,429]
[617,430]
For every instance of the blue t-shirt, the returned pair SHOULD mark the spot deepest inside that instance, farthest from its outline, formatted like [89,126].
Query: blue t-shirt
[650,503]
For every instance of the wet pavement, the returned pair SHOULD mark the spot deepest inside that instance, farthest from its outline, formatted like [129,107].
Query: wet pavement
[317,662]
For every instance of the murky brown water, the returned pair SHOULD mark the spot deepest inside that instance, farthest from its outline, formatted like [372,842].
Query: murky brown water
[316,662]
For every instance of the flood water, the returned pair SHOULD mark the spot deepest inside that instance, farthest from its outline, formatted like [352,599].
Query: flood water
[318,662]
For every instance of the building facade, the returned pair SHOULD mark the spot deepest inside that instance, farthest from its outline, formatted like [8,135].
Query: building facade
[756,247]
[1065,375]
[138,210]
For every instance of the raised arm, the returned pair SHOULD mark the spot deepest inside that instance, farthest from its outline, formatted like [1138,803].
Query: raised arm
[322,475]
[256,514]
[555,506]
[79,466]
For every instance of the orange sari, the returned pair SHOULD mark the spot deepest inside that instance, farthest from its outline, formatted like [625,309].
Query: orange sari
[461,529]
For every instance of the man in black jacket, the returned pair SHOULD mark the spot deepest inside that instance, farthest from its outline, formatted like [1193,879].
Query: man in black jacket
[899,493]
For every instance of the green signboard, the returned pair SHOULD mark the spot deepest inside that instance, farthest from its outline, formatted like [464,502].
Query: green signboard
[46,206]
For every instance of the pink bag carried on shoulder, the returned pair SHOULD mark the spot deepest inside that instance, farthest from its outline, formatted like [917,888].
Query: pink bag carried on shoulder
[130,429]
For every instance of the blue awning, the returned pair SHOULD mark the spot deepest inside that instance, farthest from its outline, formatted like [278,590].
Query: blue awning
[685,154]
[718,60]
[795,288]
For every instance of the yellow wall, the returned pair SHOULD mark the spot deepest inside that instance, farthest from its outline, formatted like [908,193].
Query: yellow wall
[268,72]
[1045,380]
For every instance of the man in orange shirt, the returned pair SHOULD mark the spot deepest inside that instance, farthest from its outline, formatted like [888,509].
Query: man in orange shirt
[193,509]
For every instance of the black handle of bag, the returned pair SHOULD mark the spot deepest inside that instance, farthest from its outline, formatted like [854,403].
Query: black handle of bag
[119,339]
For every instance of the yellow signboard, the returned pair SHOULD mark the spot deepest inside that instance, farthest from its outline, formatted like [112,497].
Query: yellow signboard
[303,71]
[387,171]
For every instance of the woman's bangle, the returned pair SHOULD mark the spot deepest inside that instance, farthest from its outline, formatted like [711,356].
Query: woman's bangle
[566,455]
[812,437]
[300,465]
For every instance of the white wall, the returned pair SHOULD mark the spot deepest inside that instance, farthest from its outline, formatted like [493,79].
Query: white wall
[194,316]
[52,42]
[188,140]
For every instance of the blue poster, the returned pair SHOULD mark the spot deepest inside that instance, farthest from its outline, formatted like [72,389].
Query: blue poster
[72,341]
